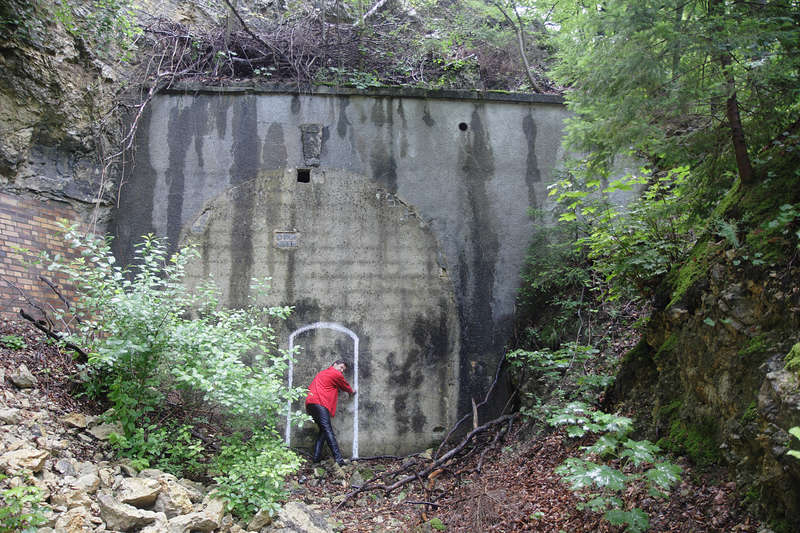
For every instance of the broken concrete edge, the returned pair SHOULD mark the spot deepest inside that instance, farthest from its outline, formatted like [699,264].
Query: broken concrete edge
[405,92]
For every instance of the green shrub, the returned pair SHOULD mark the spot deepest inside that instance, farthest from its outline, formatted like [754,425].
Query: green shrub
[251,472]
[600,485]
[149,336]
[167,448]
[13,342]
[796,432]
[21,509]
[792,359]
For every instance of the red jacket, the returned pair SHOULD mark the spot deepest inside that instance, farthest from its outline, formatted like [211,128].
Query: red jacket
[325,387]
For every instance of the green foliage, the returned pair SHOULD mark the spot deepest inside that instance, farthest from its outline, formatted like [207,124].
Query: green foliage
[631,247]
[636,519]
[13,342]
[251,472]
[21,509]
[792,359]
[650,75]
[109,25]
[347,77]
[695,440]
[579,420]
[600,484]
[170,449]
[437,524]
[756,345]
[150,336]
[750,414]
[796,432]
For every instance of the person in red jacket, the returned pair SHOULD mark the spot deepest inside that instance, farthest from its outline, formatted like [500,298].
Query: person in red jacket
[323,394]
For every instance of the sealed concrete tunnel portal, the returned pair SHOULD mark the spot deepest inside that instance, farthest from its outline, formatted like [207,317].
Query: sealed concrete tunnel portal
[399,216]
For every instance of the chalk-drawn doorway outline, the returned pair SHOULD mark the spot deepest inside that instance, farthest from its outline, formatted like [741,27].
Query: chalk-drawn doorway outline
[341,329]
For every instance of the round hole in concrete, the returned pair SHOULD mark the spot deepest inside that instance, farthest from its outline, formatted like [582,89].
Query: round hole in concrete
[463,126]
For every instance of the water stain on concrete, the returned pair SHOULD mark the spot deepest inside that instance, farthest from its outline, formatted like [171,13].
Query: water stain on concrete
[246,156]
[426,116]
[134,216]
[274,151]
[343,122]
[186,124]
[479,255]
[532,173]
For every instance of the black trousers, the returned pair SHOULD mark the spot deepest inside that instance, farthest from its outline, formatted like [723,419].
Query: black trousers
[322,417]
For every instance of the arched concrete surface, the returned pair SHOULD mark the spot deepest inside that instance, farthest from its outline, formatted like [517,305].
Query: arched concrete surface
[335,327]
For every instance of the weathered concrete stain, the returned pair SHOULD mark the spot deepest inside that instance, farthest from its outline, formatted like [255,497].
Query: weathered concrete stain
[246,154]
[426,116]
[274,154]
[130,224]
[477,164]
[188,124]
[532,173]
[343,123]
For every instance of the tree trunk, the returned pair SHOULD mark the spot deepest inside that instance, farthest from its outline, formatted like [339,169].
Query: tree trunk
[725,59]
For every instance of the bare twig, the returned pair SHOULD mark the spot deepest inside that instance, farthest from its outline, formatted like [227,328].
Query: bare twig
[42,326]
[417,475]
[484,402]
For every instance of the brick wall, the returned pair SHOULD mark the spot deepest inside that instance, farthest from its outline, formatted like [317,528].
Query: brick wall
[29,223]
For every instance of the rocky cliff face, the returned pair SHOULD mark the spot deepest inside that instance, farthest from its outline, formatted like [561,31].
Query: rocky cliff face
[711,368]
[52,94]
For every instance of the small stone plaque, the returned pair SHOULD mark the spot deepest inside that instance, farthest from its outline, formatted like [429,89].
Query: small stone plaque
[287,239]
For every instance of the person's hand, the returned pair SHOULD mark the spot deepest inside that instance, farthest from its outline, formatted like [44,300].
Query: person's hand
[353,393]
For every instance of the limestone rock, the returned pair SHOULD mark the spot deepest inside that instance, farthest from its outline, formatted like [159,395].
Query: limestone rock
[214,509]
[139,492]
[356,479]
[10,416]
[76,520]
[65,466]
[71,498]
[196,490]
[261,519]
[103,431]
[76,420]
[174,499]
[88,483]
[192,522]
[29,459]
[296,517]
[23,378]
[121,516]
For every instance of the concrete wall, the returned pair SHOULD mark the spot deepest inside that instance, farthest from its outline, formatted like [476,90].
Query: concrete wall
[410,230]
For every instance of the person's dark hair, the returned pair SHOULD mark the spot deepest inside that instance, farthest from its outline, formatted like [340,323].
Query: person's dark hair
[341,362]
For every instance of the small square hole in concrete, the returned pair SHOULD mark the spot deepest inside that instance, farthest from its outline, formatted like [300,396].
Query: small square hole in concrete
[303,175]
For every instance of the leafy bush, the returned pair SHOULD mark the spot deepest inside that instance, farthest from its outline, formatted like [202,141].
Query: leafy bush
[252,472]
[796,432]
[21,509]
[632,246]
[13,342]
[171,449]
[599,484]
[553,377]
[150,337]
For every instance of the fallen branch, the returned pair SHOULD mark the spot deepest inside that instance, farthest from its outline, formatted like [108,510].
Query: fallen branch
[474,407]
[41,326]
[369,485]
